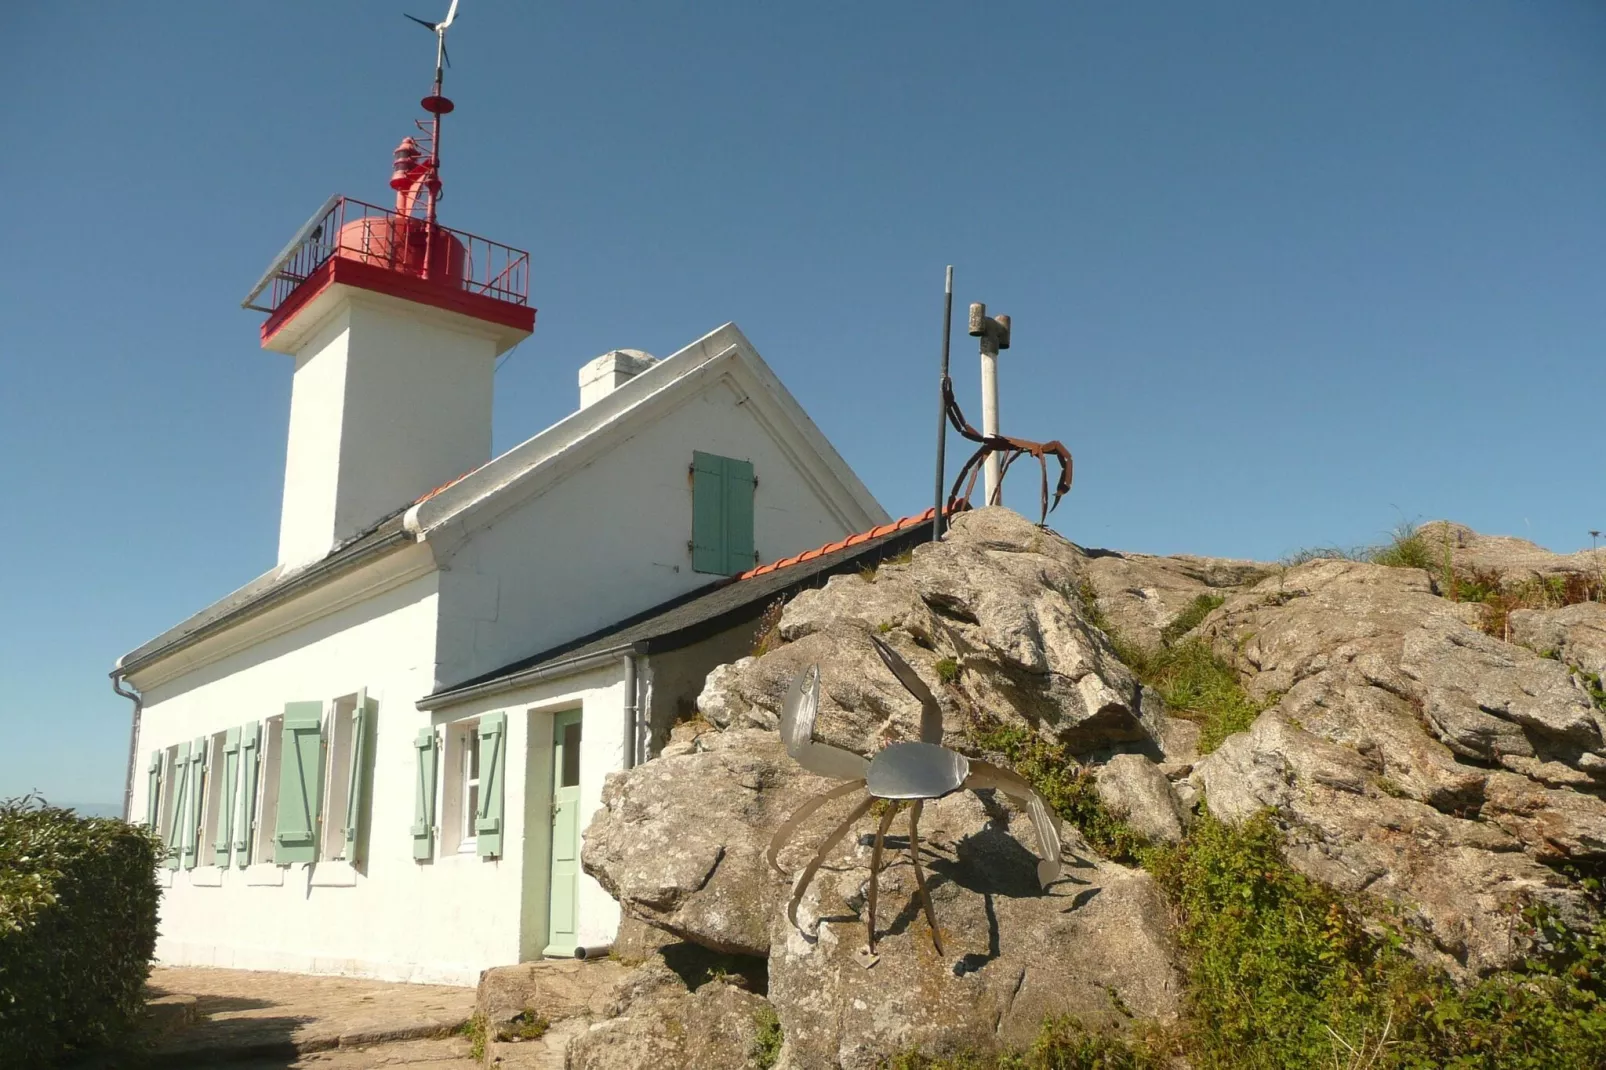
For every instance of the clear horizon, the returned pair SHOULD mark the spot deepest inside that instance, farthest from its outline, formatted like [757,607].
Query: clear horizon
[1280,276]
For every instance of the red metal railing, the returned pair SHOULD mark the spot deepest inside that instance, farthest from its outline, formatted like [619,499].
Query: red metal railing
[354,230]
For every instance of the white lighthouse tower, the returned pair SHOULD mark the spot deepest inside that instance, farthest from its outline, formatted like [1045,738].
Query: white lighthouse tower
[395,323]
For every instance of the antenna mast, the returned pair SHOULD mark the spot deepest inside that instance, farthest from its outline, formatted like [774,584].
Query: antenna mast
[415,172]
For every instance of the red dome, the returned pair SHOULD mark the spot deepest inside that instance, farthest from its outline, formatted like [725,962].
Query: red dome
[399,243]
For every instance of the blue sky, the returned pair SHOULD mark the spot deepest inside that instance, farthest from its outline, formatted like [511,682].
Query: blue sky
[1281,274]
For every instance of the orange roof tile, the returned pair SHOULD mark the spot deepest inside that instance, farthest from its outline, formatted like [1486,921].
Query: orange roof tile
[842,544]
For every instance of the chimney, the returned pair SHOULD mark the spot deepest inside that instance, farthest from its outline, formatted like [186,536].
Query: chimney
[601,377]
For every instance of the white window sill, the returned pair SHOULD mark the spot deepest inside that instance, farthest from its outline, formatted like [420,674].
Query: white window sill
[206,877]
[164,877]
[265,874]
[333,874]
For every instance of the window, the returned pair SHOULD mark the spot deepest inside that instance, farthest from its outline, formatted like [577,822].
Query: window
[471,811]
[722,514]
[267,804]
[463,787]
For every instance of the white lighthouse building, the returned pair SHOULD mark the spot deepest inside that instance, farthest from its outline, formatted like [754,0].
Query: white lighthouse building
[379,756]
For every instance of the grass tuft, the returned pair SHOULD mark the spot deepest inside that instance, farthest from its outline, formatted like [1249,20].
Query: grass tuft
[1406,548]
[474,1029]
[947,670]
[1190,618]
[1195,682]
[767,636]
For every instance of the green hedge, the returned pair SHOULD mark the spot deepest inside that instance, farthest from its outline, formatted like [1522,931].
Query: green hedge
[77,930]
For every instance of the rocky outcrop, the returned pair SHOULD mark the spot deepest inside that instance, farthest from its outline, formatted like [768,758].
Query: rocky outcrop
[1411,755]
[995,608]
[1408,756]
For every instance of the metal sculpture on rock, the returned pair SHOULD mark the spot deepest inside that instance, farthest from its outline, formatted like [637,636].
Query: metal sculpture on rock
[912,772]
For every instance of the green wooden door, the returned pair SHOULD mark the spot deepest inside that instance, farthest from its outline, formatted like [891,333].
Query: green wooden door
[563,910]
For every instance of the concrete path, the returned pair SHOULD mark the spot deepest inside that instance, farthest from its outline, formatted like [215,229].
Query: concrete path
[270,1021]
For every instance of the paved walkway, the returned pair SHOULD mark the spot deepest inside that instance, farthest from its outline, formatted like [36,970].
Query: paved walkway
[260,1020]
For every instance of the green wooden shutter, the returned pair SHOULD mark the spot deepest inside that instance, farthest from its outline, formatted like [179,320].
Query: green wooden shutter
[177,791]
[226,794]
[493,760]
[738,502]
[192,812]
[357,781]
[153,792]
[250,763]
[708,513]
[295,835]
[424,794]
[721,514]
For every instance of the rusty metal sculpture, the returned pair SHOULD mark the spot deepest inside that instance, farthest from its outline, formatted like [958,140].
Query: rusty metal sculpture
[912,772]
[1012,449]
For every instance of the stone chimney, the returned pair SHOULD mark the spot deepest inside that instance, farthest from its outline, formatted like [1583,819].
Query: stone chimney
[601,377]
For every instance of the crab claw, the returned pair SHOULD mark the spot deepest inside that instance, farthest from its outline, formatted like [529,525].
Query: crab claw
[930,712]
[1044,820]
[798,711]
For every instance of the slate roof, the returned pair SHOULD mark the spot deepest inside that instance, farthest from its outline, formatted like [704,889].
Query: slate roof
[269,589]
[707,611]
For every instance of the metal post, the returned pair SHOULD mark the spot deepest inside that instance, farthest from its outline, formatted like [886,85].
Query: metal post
[942,407]
[994,335]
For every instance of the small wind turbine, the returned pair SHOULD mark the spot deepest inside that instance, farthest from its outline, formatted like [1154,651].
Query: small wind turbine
[439,30]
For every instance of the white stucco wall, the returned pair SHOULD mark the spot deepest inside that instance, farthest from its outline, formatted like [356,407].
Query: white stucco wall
[600,695]
[390,400]
[440,921]
[393,917]
[621,527]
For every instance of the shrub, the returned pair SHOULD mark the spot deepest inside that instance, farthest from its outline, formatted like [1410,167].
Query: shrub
[767,1039]
[78,901]
[1284,974]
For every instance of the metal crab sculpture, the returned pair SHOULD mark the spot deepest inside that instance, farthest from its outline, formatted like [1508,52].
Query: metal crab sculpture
[900,772]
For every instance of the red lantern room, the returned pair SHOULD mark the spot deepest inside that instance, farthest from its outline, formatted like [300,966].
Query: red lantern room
[402,251]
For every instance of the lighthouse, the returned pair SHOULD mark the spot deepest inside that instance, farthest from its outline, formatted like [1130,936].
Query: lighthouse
[394,322]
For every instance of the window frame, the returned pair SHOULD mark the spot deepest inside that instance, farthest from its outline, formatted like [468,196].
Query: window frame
[266,814]
[463,746]
[211,795]
[340,758]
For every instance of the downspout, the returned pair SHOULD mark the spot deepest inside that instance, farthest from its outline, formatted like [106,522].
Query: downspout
[632,714]
[138,700]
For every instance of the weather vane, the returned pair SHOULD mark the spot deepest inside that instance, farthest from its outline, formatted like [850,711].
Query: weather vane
[439,30]
[416,171]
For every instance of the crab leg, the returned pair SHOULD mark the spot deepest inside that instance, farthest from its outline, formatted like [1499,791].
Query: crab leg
[1044,821]
[801,814]
[825,849]
[920,874]
[875,868]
